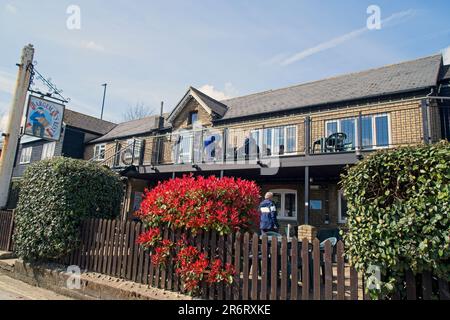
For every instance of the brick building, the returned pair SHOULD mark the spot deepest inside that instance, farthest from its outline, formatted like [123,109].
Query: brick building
[294,141]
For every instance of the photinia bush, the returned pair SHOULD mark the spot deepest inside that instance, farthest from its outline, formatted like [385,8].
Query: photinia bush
[193,204]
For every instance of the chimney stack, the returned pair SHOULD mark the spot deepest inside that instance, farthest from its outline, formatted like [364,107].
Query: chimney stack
[161,117]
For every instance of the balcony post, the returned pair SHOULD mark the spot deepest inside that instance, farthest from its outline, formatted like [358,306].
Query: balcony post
[306,195]
[132,152]
[307,135]
[359,146]
[425,121]
[224,144]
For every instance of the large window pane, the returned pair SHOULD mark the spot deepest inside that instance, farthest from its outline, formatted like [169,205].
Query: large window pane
[382,131]
[348,127]
[366,132]
[290,132]
[267,141]
[278,135]
[332,127]
[289,204]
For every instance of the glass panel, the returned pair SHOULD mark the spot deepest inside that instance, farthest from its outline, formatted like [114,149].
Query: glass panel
[348,127]
[290,205]
[343,207]
[193,118]
[184,149]
[277,201]
[212,147]
[315,204]
[366,132]
[290,132]
[267,141]
[331,127]
[278,134]
[382,130]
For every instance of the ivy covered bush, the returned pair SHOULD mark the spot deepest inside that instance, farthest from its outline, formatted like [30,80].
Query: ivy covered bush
[398,213]
[55,196]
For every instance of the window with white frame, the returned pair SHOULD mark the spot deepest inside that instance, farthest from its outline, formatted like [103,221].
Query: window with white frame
[286,203]
[48,150]
[375,130]
[342,207]
[99,152]
[277,140]
[25,155]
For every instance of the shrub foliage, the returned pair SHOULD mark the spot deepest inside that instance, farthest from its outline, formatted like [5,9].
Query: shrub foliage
[398,213]
[55,196]
[196,204]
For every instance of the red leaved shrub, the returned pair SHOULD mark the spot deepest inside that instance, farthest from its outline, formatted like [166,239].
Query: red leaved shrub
[223,205]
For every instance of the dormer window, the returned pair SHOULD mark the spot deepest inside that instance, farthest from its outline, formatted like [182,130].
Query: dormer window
[193,117]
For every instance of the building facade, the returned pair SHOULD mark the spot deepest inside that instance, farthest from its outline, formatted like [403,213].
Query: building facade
[294,142]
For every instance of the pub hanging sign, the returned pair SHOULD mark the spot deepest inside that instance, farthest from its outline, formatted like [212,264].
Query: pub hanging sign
[44,118]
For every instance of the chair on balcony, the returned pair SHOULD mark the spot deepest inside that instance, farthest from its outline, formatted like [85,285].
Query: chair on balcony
[335,142]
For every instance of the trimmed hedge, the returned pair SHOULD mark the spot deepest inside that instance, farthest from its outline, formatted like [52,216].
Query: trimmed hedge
[55,196]
[398,213]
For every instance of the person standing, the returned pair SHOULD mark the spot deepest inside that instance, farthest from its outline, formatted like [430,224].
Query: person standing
[268,214]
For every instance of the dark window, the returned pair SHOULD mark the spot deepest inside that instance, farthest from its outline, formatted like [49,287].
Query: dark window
[193,117]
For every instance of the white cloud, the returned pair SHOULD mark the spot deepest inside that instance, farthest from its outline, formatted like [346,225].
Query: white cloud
[446,54]
[10,8]
[92,45]
[341,39]
[229,91]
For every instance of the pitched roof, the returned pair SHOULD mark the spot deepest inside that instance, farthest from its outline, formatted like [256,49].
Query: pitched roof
[132,128]
[88,123]
[216,106]
[445,72]
[397,78]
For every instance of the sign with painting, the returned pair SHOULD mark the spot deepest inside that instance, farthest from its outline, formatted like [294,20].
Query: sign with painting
[44,118]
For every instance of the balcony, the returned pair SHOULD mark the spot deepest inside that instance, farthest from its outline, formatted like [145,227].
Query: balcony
[312,140]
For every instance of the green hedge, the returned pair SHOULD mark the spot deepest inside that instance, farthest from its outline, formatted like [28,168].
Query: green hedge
[398,213]
[55,196]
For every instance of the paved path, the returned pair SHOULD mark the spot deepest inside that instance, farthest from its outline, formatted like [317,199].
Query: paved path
[12,289]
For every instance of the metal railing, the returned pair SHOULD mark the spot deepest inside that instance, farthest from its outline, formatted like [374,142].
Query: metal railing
[317,134]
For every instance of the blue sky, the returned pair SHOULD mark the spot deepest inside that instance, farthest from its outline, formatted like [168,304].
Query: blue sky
[148,51]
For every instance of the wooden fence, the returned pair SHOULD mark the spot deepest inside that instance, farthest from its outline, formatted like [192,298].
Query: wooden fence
[6,230]
[284,269]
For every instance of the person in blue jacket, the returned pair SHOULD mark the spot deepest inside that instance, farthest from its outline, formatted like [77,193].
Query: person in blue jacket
[35,118]
[268,214]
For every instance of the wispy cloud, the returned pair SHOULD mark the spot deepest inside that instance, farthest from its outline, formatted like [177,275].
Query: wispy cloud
[92,45]
[3,121]
[396,17]
[229,91]
[10,8]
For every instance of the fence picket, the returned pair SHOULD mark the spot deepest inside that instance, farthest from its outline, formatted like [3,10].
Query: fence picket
[264,261]
[340,271]
[229,254]
[245,267]
[212,255]
[255,266]
[328,272]
[294,269]
[206,241]
[353,284]
[316,269]
[274,268]
[141,257]
[284,269]
[130,255]
[426,285]
[443,289]
[98,246]
[221,253]
[106,246]
[123,255]
[410,285]
[237,267]
[305,269]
